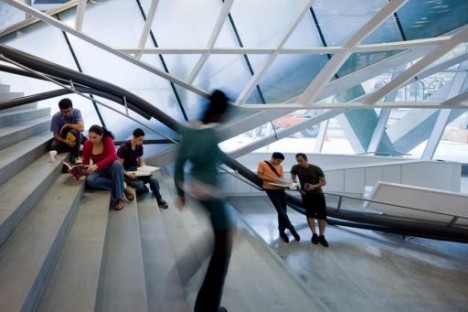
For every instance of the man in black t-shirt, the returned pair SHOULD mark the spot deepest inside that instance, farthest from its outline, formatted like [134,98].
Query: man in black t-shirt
[131,153]
[312,179]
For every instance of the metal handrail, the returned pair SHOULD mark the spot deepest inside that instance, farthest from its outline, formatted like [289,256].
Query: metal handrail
[341,196]
[73,89]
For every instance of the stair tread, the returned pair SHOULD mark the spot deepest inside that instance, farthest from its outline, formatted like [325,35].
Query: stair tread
[11,153]
[8,130]
[74,282]
[26,257]
[22,191]
[26,110]
[122,285]
[164,288]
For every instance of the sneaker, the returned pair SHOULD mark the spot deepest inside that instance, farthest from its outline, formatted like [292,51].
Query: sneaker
[284,236]
[323,241]
[315,239]
[295,234]
[162,204]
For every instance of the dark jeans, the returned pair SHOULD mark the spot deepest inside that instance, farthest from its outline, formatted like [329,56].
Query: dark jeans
[278,199]
[62,147]
[140,182]
[110,178]
[211,291]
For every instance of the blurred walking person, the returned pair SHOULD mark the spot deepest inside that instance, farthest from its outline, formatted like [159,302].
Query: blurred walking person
[199,146]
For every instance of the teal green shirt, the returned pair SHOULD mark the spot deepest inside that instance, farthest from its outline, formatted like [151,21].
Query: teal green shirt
[199,147]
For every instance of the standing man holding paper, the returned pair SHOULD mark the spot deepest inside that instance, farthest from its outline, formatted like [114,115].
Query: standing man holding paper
[271,173]
[131,152]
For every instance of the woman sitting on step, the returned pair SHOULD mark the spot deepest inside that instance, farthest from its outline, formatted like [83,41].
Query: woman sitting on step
[106,171]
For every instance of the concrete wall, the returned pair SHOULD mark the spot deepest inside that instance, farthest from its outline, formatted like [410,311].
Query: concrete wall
[351,174]
[426,200]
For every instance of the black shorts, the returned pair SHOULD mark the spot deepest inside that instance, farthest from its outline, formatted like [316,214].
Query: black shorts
[315,206]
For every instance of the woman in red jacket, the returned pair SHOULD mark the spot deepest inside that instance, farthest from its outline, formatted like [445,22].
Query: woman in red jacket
[106,171]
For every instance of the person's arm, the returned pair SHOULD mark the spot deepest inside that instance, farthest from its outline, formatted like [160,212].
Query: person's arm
[78,123]
[59,138]
[261,174]
[181,158]
[141,161]
[79,126]
[293,177]
[322,182]
[179,174]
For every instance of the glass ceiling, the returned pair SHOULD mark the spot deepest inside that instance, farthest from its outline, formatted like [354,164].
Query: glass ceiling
[322,54]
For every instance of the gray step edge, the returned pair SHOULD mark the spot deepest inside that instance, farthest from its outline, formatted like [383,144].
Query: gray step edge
[164,288]
[18,156]
[28,256]
[122,284]
[74,281]
[13,134]
[22,192]
[8,118]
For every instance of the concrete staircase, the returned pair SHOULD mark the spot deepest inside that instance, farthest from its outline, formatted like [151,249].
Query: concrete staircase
[63,249]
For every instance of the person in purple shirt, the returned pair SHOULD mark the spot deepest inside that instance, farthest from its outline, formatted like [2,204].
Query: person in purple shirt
[67,126]
[131,153]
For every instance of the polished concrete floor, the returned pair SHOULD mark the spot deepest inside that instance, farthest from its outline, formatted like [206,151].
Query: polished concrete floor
[365,270]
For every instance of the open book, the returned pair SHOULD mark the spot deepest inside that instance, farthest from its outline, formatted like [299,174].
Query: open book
[145,171]
[76,170]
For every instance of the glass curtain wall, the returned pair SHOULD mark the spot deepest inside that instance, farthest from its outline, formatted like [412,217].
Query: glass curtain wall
[267,77]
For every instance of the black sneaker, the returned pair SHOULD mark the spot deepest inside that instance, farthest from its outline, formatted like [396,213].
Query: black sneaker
[162,204]
[295,234]
[284,236]
[323,241]
[315,239]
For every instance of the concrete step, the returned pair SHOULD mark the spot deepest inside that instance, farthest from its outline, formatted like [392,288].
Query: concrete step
[25,106]
[22,192]
[19,155]
[28,256]
[7,95]
[122,280]
[9,118]
[14,134]
[74,281]
[4,88]
[165,291]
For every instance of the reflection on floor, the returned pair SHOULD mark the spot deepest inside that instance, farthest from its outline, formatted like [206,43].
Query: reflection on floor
[365,270]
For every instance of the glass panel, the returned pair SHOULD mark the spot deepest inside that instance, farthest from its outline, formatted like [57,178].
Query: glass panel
[123,127]
[119,72]
[37,40]
[425,19]
[121,26]
[193,104]
[289,75]
[227,72]
[305,34]
[387,32]
[340,19]
[185,23]
[9,16]
[261,23]
[360,60]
